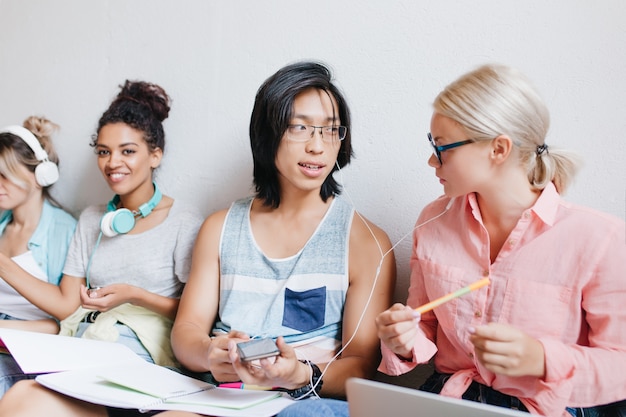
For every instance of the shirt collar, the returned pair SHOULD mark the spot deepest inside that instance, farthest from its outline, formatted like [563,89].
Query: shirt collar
[547,204]
[545,207]
[46,219]
[40,234]
[5,218]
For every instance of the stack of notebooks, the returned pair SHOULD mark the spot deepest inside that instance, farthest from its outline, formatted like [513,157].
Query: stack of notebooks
[111,374]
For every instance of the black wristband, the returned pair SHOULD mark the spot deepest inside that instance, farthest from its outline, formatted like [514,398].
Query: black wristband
[312,388]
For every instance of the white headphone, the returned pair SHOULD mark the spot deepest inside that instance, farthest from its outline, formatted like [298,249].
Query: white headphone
[47,172]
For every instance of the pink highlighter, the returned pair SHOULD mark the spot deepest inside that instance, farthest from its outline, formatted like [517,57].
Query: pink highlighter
[241,385]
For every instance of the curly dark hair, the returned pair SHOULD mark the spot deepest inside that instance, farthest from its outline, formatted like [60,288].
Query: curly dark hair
[142,106]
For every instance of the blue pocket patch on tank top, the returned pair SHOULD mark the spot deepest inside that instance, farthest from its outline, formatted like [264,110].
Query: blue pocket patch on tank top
[305,310]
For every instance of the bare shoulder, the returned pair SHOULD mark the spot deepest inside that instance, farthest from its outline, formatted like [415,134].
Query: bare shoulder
[212,226]
[216,218]
[369,246]
[372,262]
[365,235]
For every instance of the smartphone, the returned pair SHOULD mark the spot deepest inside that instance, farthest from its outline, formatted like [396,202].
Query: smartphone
[257,349]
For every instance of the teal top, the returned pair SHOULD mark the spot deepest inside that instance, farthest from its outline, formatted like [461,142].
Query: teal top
[50,241]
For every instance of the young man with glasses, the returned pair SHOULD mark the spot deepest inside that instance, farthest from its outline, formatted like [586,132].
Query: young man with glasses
[295,262]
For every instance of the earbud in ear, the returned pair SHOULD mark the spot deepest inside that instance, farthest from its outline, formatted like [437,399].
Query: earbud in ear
[117,222]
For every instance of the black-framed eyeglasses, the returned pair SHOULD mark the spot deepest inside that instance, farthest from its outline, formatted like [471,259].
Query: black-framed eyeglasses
[304,133]
[438,149]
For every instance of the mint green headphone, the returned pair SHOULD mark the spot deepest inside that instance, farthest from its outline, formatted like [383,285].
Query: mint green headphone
[119,221]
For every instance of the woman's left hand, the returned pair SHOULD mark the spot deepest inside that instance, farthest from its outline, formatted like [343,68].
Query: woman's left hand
[105,298]
[284,370]
[506,350]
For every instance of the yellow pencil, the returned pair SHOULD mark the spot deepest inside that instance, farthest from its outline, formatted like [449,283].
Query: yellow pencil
[474,286]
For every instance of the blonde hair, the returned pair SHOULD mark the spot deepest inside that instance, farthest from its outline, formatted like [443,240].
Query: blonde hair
[15,152]
[496,100]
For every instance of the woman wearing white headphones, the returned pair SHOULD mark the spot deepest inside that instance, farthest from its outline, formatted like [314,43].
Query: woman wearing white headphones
[35,232]
[128,260]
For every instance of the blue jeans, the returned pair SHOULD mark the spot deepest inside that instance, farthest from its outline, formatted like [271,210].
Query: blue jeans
[127,338]
[476,392]
[10,372]
[314,407]
[487,395]
[616,409]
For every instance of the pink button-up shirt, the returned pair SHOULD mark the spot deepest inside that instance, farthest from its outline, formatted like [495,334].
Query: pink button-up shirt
[560,277]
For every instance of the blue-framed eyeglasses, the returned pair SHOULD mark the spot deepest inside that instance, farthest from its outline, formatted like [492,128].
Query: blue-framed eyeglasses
[304,133]
[438,149]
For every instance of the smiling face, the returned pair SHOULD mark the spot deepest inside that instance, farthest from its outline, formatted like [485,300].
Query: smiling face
[305,165]
[124,158]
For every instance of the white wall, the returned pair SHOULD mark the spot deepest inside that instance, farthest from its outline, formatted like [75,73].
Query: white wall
[65,59]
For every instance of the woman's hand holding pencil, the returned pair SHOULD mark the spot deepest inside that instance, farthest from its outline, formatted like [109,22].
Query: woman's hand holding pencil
[398,326]
[436,303]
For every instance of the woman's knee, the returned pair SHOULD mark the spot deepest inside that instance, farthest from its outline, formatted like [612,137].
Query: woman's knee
[26,386]
[20,392]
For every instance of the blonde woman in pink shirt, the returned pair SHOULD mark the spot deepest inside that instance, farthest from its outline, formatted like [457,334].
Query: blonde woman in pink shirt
[548,335]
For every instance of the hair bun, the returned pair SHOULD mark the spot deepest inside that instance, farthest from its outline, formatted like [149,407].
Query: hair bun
[148,94]
[40,127]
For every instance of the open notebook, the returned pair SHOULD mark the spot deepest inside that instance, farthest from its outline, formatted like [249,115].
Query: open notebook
[111,374]
[38,353]
[146,386]
[375,399]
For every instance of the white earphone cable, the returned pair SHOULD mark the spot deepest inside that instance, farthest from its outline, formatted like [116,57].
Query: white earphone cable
[378,268]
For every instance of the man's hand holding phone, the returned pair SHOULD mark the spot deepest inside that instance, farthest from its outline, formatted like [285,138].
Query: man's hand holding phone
[257,349]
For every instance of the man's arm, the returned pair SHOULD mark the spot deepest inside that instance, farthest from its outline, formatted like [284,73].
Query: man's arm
[362,352]
[198,306]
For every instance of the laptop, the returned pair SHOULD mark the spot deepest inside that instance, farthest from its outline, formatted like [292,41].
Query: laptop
[377,399]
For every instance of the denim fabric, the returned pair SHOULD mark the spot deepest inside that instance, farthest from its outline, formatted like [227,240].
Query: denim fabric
[315,407]
[10,372]
[476,392]
[487,395]
[616,409]
[127,338]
